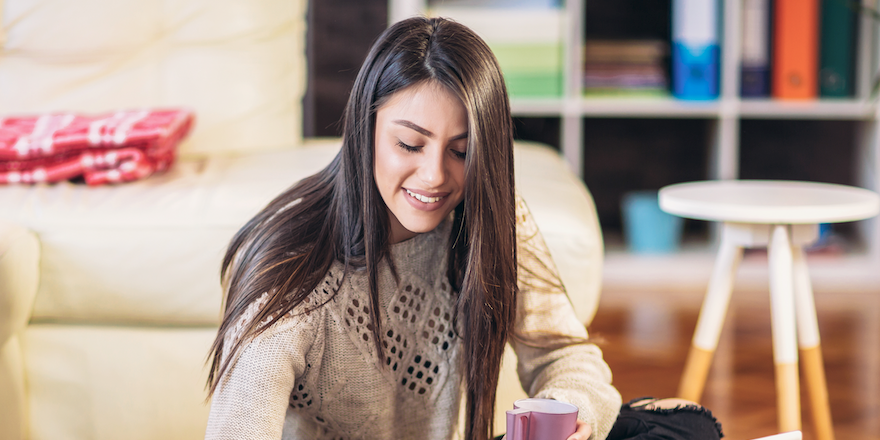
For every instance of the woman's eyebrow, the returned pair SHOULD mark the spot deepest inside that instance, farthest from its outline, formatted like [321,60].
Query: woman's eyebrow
[424,131]
[414,127]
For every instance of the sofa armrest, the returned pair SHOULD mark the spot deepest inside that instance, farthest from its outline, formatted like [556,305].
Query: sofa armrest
[566,215]
[19,273]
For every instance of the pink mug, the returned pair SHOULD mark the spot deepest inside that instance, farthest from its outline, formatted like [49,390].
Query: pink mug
[541,419]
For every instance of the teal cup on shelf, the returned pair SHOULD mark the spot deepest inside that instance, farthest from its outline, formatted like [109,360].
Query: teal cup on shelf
[646,228]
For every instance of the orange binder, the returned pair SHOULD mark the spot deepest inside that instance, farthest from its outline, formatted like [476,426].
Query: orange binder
[795,49]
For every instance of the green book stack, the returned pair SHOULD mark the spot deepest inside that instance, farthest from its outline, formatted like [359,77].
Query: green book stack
[836,50]
[526,39]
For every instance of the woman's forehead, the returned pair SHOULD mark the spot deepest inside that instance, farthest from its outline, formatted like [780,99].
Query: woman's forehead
[420,91]
[425,100]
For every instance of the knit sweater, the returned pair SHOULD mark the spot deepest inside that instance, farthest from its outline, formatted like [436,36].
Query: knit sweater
[315,373]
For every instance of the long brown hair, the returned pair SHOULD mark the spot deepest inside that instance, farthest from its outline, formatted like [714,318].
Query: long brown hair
[338,213]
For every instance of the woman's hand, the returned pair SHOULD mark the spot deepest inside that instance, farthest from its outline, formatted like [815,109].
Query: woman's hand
[583,431]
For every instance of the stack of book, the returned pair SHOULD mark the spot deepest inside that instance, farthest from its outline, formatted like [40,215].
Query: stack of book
[798,49]
[526,37]
[625,67]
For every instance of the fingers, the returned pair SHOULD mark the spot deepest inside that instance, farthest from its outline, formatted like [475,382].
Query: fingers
[582,432]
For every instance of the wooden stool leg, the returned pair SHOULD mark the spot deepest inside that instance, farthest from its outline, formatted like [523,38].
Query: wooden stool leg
[711,319]
[785,353]
[810,347]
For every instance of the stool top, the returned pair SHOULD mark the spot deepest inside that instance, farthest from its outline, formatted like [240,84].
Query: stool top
[769,201]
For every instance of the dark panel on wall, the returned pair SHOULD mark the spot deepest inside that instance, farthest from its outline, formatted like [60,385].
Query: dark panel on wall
[623,155]
[818,151]
[628,19]
[340,33]
[544,130]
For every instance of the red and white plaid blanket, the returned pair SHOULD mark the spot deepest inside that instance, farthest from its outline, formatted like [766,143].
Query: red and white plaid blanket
[116,147]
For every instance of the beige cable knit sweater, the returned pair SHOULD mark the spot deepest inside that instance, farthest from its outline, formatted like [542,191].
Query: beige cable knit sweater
[315,374]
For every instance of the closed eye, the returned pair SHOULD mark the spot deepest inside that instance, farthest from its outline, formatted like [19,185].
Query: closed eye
[460,154]
[408,148]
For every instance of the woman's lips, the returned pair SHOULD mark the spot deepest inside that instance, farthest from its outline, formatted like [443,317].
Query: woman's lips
[424,197]
[424,201]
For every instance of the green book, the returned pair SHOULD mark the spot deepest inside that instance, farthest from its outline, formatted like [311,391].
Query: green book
[530,70]
[836,50]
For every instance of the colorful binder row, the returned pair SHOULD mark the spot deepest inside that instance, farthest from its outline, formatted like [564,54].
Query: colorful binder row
[798,49]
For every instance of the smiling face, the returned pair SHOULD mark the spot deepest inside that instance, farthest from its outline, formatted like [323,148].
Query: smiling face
[419,157]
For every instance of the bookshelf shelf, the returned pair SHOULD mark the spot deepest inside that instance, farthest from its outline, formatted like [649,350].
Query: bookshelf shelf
[846,109]
[648,108]
[537,107]
[615,107]
[820,109]
[722,120]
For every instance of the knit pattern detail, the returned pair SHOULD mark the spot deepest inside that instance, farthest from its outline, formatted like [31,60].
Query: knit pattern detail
[417,335]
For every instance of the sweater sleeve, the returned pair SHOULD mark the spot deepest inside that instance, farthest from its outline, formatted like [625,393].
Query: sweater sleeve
[555,361]
[252,396]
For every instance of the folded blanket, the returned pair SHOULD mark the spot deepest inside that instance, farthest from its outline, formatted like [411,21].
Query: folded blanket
[110,148]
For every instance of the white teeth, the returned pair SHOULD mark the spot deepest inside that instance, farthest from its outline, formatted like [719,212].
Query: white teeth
[422,198]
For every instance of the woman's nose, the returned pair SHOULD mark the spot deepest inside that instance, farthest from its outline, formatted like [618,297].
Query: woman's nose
[433,169]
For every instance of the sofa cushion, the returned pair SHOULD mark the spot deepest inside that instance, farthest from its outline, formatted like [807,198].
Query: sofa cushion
[19,274]
[150,251]
[110,383]
[240,64]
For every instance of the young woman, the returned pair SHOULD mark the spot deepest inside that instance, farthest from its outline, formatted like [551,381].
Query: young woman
[369,299]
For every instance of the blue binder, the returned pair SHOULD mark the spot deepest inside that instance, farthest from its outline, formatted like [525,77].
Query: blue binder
[695,51]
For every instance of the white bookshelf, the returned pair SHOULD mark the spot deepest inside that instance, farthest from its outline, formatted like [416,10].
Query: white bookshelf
[725,116]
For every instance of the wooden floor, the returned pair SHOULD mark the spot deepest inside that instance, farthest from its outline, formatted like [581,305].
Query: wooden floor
[646,336]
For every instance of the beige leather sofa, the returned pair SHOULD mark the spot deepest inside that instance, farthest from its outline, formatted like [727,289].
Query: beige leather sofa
[109,296]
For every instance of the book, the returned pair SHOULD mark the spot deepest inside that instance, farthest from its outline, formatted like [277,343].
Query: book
[755,56]
[695,53]
[836,49]
[625,68]
[795,49]
[527,40]
[625,51]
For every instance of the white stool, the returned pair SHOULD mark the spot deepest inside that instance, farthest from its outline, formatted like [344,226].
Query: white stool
[783,216]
